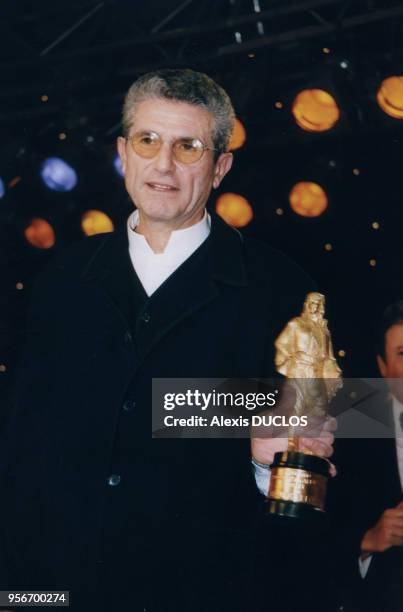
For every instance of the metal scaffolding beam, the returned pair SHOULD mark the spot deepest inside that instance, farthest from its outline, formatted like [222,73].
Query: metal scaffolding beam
[309,32]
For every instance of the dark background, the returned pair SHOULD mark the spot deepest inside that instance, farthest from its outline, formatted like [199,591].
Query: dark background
[84,56]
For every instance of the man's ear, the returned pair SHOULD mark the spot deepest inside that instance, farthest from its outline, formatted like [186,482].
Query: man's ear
[222,166]
[121,146]
[381,365]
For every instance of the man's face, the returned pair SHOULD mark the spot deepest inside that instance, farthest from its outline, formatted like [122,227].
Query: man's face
[164,189]
[392,366]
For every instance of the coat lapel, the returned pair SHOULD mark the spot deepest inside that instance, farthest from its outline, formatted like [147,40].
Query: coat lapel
[110,267]
[196,283]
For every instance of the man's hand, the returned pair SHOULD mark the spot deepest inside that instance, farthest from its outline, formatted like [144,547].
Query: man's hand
[319,443]
[387,532]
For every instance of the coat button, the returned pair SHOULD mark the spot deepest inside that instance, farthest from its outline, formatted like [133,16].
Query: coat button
[146,317]
[129,405]
[113,480]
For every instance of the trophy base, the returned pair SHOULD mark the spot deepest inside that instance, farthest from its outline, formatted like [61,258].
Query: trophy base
[294,510]
[297,485]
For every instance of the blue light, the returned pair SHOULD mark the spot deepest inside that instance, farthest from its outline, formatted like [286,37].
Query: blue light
[58,175]
[2,189]
[117,162]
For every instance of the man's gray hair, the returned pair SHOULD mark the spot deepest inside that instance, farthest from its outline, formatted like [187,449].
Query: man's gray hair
[183,86]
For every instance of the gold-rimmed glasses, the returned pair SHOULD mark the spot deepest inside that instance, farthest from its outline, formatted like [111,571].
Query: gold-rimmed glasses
[185,150]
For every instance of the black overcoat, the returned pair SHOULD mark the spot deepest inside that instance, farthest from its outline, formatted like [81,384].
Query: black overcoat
[94,503]
[368,483]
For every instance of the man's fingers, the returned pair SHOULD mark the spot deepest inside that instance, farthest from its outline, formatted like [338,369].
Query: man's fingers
[394,524]
[394,513]
[314,434]
[318,447]
[263,449]
[327,438]
[396,531]
[396,541]
[323,423]
[330,424]
[332,470]
[318,427]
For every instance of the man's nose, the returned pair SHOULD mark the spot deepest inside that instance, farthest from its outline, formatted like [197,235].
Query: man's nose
[164,160]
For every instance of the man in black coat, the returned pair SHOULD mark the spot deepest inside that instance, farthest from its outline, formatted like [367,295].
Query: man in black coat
[367,495]
[94,504]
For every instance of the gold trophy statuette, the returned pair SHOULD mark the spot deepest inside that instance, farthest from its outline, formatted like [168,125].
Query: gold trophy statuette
[304,354]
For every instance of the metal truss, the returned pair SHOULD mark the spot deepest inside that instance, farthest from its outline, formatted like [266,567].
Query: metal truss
[244,28]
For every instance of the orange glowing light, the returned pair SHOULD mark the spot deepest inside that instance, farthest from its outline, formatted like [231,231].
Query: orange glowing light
[96,222]
[40,234]
[390,96]
[238,136]
[308,199]
[234,209]
[315,110]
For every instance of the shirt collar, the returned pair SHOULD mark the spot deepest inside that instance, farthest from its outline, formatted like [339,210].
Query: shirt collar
[225,255]
[184,240]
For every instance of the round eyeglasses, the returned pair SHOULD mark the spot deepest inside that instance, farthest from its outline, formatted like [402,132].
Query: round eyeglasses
[185,150]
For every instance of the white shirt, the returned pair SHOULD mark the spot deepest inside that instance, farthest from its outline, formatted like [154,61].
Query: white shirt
[154,268]
[397,411]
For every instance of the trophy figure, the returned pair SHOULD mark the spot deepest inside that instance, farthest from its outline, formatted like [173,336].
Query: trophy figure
[304,355]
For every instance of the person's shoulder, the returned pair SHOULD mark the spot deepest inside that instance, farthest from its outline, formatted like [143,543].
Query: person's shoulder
[60,278]
[65,267]
[258,248]
[71,259]
[281,282]
[79,252]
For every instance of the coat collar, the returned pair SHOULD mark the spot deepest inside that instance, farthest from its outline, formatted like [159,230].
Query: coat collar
[218,261]
[225,245]
[228,253]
